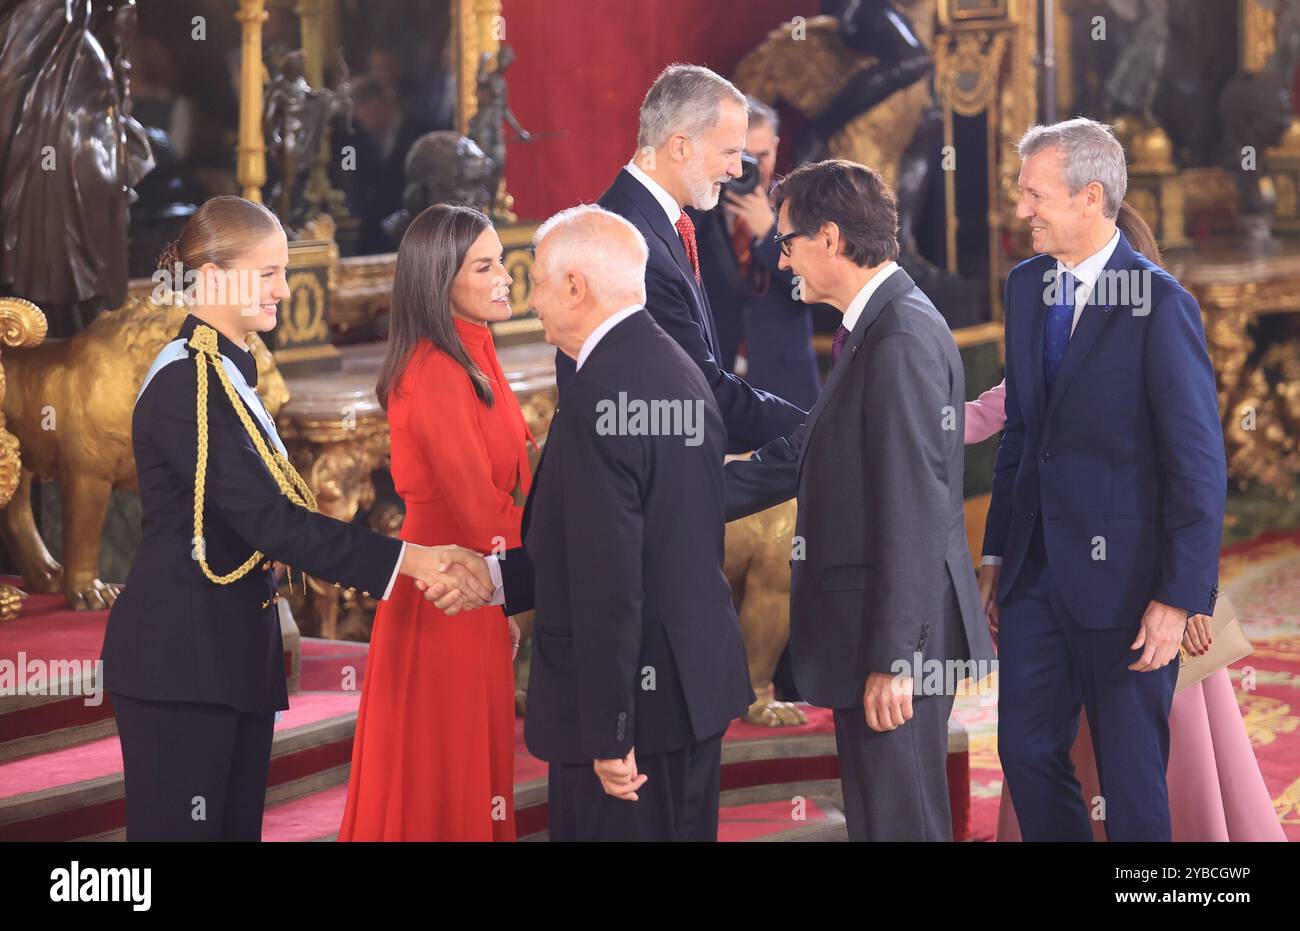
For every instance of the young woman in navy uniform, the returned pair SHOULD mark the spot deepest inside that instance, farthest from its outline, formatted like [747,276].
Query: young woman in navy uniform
[192,657]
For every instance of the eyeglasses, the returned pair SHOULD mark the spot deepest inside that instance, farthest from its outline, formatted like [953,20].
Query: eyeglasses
[784,241]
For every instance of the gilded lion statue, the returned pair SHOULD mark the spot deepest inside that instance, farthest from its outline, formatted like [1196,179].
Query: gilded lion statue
[757,565]
[69,403]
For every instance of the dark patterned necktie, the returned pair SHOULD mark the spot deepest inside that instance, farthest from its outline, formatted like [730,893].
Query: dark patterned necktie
[1057,337]
[841,336]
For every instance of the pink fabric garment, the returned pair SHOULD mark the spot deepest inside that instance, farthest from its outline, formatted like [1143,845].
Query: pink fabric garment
[986,414]
[1216,792]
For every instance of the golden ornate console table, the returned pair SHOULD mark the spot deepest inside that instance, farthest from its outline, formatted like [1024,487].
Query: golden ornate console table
[1244,297]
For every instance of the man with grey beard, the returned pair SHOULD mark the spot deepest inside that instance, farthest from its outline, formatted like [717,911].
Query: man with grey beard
[693,125]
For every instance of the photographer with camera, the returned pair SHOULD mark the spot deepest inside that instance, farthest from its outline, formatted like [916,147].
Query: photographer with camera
[757,315]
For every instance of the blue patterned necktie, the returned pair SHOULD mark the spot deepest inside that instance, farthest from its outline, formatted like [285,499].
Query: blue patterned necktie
[1059,317]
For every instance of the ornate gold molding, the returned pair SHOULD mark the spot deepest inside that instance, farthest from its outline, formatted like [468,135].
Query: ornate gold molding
[1258,24]
[954,12]
[22,325]
[967,65]
[477,27]
[1261,414]
[250,163]
[985,65]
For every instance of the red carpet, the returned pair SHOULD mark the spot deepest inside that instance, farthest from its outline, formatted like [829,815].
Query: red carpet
[330,665]
[100,758]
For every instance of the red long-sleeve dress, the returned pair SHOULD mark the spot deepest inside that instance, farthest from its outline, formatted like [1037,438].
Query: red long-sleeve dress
[434,750]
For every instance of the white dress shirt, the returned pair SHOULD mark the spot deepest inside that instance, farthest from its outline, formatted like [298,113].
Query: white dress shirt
[400,556]
[1086,274]
[666,200]
[859,302]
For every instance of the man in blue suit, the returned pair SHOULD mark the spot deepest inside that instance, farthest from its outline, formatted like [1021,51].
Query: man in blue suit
[1108,494]
[692,132]
[752,298]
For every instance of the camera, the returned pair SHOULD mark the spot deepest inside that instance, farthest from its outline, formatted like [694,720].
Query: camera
[748,179]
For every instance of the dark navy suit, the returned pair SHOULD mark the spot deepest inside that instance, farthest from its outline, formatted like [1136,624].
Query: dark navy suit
[679,304]
[776,328]
[1108,493]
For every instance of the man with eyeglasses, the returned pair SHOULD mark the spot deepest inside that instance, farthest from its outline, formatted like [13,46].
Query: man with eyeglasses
[884,587]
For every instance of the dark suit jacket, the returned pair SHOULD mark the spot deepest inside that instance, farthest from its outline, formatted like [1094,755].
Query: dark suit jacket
[681,308]
[777,329]
[172,634]
[1128,453]
[636,642]
[878,472]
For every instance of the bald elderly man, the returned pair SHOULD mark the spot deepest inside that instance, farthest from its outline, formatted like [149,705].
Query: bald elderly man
[638,665]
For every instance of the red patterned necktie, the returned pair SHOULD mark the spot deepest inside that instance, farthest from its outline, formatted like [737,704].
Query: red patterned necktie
[687,230]
[741,242]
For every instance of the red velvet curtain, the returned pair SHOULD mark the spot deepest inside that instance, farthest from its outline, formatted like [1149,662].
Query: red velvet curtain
[583,68]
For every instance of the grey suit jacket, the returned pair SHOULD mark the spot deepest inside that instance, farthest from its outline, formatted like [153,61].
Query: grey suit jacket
[881,569]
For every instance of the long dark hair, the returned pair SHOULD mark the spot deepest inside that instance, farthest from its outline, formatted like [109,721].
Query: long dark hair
[431,253]
[1137,232]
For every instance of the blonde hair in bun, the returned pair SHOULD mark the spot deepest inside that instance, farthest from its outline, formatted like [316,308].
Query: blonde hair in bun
[221,231]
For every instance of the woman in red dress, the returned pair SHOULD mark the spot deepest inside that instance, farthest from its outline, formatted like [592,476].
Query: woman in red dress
[433,757]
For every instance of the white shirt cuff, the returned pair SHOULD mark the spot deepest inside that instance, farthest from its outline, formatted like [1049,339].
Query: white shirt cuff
[494,570]
[991,561]
[400,556]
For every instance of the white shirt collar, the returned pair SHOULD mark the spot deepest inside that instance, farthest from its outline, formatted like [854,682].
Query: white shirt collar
[1089,270]
[1086,274]
[859,302]
[604,327]
[671,207]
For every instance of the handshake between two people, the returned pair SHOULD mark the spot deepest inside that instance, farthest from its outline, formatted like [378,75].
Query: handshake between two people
[454,578]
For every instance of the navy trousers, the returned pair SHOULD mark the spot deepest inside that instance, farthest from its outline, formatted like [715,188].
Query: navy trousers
[1049,667]
[193,772]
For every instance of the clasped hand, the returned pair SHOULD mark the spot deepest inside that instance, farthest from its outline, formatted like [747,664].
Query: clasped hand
[452,577]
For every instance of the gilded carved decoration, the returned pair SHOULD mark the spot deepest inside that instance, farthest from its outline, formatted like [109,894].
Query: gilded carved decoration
[794,69]
[21,325]
[1259,390]
[69,403]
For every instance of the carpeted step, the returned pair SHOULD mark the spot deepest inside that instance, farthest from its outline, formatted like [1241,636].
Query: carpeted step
[316,817]
[765,773]
[77,792]
[313,817]
[49,672]
[332,665]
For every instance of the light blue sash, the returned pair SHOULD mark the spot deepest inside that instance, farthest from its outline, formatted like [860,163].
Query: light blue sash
[176,350]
